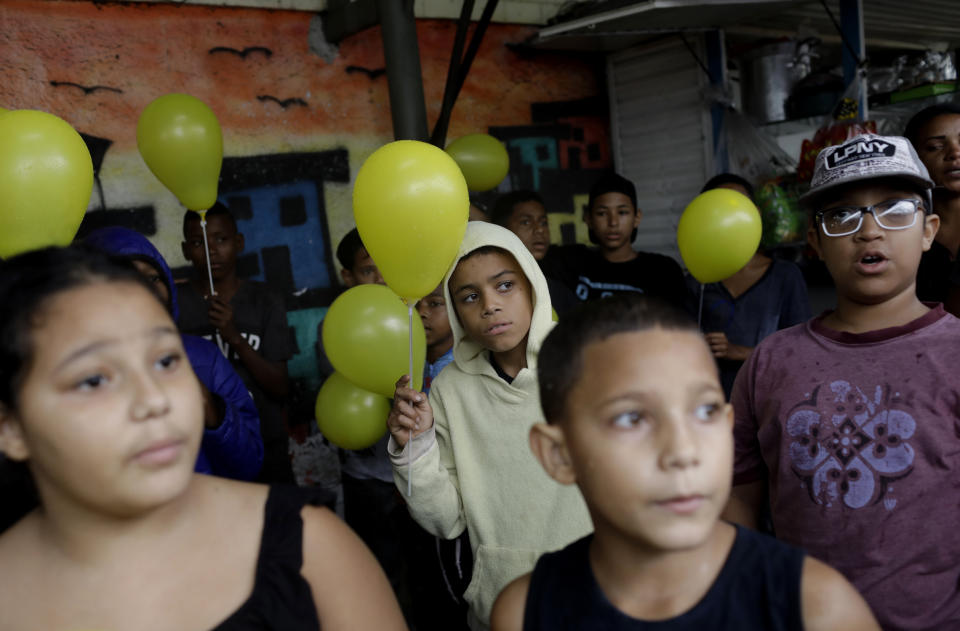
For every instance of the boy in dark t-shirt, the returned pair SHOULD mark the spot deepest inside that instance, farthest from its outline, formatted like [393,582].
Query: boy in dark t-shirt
[612,217]
[247,321]
[636,418]
[848,424]
[523,213]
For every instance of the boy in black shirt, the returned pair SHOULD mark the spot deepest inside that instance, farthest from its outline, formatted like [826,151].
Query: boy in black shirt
[523,213]
[637,420]
[615,267]
[247,321]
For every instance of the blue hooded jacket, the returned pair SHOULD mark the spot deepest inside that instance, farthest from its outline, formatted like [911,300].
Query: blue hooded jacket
[235,448]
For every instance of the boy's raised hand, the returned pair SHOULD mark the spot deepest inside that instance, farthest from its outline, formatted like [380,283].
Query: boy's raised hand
[221,316]
[410,412]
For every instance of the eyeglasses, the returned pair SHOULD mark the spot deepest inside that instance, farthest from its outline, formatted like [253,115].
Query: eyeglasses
[892,214]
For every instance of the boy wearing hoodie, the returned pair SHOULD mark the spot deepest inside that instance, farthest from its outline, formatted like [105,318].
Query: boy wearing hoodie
[848,423]
[231,446]
[471,466]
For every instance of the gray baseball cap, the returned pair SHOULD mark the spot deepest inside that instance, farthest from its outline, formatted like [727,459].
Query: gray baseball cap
[868,157]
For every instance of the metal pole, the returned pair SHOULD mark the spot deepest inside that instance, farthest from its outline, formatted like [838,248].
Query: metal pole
[851,23]
[399,32]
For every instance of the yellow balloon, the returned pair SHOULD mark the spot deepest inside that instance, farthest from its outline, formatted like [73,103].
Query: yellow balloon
[349,416]
[483,160]
[180,140]
[411,205]
[718,233]
[46,177]
[366,336]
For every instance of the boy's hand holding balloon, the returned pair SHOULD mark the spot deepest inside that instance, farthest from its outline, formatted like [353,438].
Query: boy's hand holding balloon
[411,414]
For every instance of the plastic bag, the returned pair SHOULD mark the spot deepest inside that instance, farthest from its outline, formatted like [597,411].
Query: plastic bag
[839,126]
[751,153]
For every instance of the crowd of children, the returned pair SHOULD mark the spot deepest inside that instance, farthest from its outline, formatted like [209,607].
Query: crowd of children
[613,470]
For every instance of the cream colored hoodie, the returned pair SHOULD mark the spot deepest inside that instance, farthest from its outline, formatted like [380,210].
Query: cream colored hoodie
[475,470]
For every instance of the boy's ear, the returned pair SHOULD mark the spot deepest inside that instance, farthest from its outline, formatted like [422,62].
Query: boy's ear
[637,217]
[348,278]
[813,238]
[550,447]
[240,242]
[931,225]
[728,415]
[12,443]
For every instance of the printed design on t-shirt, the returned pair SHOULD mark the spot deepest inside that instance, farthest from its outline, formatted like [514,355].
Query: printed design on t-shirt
[605,289]
[252,339]
[851,446]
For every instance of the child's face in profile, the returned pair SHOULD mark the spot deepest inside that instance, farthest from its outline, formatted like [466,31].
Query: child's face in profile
[612,218]
[110,412]
[363,272]
[649,437]
[433,314]
[939,149]
[224,241]
[493,300]
[873,264]
[529,222]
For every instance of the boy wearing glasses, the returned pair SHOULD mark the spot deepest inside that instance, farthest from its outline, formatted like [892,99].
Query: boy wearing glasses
[850,424]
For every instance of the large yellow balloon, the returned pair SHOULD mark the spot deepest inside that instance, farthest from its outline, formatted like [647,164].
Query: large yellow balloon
[483,160]
[365,335]
[718,233]
[349,416]
[411,205]
[180,140]
[46,177]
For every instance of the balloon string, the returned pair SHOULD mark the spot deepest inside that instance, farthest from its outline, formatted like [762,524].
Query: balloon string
[206,249]
[700,310]
[410,437]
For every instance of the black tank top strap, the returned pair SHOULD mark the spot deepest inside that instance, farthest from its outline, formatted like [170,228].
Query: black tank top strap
[281,598]
[758,587]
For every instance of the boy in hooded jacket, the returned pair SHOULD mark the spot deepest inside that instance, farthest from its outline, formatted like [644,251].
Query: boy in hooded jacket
[468,462]
[232,446]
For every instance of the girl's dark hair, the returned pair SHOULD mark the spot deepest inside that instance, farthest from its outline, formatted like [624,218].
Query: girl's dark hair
[560,362]
[924,116]
[27,281]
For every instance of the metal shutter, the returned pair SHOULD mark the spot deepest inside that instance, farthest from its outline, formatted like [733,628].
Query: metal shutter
[660,126]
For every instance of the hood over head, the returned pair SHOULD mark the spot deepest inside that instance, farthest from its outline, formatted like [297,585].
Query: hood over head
[468,354]
[130,244]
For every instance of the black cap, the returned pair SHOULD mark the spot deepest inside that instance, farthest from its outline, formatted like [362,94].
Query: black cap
[613,183]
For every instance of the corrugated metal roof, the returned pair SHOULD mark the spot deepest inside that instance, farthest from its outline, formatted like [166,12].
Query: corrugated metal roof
[890,23]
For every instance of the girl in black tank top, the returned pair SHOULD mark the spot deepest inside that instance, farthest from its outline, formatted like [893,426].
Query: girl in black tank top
[99,401]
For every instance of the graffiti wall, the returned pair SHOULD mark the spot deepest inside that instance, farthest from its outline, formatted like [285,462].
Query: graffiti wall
[298,115]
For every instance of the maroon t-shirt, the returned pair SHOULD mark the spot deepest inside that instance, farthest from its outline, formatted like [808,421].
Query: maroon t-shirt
[860,438]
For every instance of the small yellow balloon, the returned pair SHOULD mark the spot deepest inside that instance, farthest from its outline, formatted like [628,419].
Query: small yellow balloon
[483,160]
[718,234]
[179,138]
[411,204]
[366,336]
[46,177]
[349,416]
